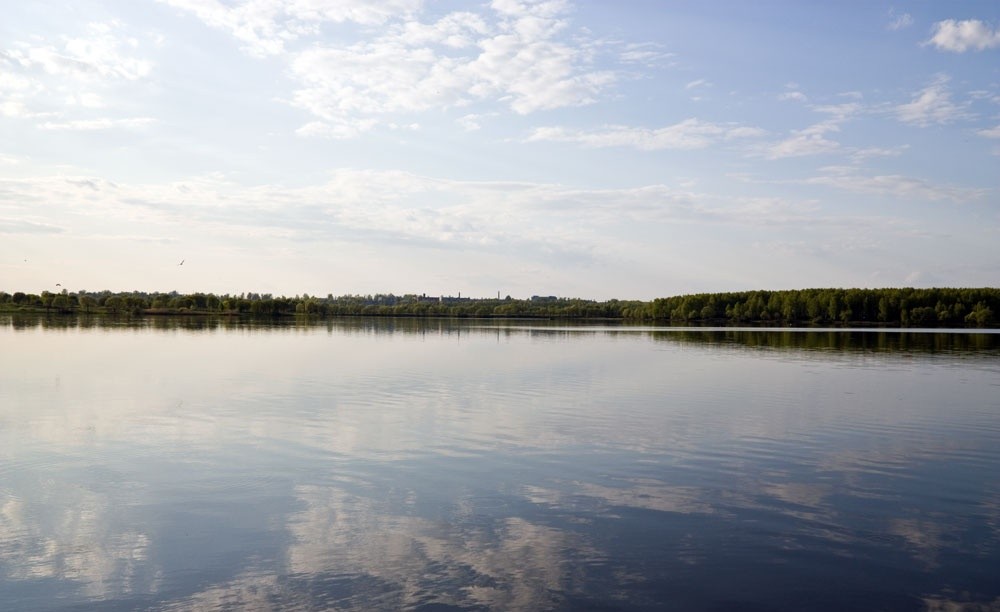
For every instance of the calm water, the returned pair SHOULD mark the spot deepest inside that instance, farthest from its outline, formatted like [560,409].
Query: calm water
[358,465]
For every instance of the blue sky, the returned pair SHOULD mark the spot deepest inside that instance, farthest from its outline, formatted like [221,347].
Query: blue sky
[589,149]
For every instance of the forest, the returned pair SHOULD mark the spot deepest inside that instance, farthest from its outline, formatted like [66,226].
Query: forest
[906,307]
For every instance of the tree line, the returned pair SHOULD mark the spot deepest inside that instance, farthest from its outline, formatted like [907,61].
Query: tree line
[894,306]
[902,306]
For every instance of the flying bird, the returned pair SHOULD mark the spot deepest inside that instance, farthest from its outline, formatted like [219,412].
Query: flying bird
[182,263]
[58,285]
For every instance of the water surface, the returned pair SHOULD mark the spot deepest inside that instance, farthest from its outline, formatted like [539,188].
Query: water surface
[174,464]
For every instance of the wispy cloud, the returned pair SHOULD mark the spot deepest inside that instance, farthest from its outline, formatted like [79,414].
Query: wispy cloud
[266,26]
[649,54]
[899,21]
[104,123]
[860,155]
[336,128]
[798,96]
[813,140]
[932,105]
[470,122]
[102,53]
[993,132]
[17,108]
[43,80]
[688,134]
[85,99]
[20,226]
[961,36]
[894,185]
[389,208]
[809,141]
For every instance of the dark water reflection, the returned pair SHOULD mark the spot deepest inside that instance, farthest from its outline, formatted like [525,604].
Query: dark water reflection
[176,464]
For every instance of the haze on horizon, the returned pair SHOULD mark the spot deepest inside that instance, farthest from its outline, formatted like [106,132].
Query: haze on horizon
[589,149]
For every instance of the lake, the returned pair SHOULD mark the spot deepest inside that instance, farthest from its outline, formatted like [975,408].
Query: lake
[177,464]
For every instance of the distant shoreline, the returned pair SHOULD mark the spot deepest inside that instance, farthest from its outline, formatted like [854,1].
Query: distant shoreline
[890,307]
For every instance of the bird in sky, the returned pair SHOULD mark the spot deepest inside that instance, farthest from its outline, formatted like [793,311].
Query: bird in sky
[182,263]
[58,285]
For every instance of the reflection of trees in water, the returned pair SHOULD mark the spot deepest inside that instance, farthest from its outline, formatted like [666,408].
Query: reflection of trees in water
[878,341]
[838,340]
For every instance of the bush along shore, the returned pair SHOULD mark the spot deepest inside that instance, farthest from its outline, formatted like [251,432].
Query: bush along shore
[906,307]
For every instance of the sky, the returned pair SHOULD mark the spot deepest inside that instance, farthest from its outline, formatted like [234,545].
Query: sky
[632,150]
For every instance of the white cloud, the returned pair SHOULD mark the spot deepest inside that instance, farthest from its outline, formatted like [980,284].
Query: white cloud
[744,132]
[810,141]
[104,123]
[341,129]
[870,152]
[86,99]
[456,30]
[990,132]
[42,80]
[518,64]
[515,54]
[894,185]
[839,112]
[23,226]
[16,108]
[688,134]
[469,123]
[101,54]
[529,220]
[374,79]
[11,81]
[798,96]
[899,21]
[265,26]
[649,54]
[931,105]
[698,83]
[961,36]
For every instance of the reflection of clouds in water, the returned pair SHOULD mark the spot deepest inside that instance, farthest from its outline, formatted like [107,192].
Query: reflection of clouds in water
[252,593]
[807,495]
[925,538]
[72,534]
[349,552]
[991,509]
[815,517]
[735,439]
[508,564]
[638,493]
[940,604]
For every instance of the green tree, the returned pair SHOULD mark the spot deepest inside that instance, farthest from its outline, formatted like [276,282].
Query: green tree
[980,315]
[61,303]
[86,302]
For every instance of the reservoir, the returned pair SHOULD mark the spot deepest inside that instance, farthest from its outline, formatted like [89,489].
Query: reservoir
[405,464]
